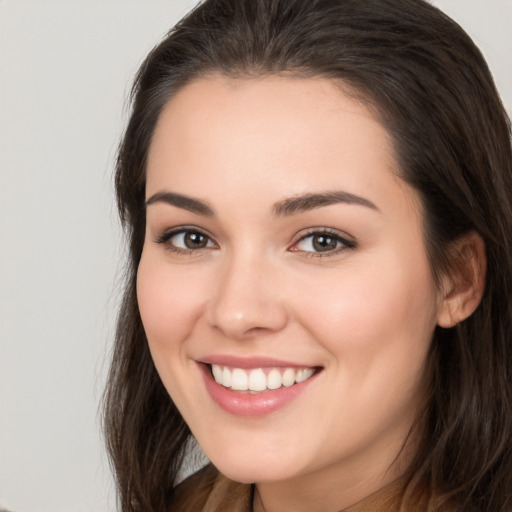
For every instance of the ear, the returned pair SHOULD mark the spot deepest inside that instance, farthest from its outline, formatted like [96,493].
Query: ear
[463,285]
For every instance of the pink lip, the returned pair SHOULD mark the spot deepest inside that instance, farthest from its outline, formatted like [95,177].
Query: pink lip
[243,403]
[249,362]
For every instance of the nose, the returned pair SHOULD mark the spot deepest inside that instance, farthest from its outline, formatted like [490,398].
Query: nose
[248,300]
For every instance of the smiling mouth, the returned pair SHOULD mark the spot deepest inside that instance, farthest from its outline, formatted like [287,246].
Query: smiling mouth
[257,380]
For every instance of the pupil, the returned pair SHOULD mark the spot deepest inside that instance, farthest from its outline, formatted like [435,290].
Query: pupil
[324,243]
[195,240]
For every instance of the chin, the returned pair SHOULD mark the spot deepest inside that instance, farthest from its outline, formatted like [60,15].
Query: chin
[256,466]
[248,473]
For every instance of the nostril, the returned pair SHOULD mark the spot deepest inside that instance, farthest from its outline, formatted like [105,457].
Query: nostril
[240,311]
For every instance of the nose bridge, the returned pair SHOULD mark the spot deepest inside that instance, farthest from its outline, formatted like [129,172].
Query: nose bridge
[247,299]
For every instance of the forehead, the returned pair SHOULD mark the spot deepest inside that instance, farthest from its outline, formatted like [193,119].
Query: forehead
[293,135]
[291,106]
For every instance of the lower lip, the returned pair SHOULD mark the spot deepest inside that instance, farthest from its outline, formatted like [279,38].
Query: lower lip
[251,404]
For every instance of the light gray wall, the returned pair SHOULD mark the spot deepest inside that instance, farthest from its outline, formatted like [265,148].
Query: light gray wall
[65,67]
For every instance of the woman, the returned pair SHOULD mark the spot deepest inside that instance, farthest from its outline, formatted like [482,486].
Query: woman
[316,195]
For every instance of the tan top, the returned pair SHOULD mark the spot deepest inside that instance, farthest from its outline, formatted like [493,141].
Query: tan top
[209,491]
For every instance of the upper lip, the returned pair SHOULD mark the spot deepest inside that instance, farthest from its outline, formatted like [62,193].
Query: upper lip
[250,362]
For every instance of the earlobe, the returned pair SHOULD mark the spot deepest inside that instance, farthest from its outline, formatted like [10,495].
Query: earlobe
[463,286]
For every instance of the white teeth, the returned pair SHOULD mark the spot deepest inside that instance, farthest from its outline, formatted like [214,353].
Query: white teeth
[239,381]
[217,372]
[274,379]
[256,379]
[226,377]
[304,374]
[289,377]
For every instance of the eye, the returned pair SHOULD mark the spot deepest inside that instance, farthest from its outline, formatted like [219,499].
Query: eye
[190,240]
[186,240]
[325,241]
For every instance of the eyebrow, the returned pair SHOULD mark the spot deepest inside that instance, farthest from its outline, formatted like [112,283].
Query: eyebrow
[284,208]
[181,201]
[308,202]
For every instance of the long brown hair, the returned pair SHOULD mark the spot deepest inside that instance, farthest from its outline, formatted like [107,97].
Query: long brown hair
[433,92]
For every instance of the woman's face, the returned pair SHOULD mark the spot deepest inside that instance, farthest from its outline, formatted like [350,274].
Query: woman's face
[283,254]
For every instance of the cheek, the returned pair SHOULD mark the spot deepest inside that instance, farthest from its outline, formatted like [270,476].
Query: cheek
[363,312]
[170,301]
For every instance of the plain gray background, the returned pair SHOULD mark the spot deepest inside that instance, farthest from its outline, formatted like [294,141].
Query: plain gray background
[65,70]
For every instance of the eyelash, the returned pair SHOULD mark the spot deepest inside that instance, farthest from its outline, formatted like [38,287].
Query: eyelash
[165,238]
[328,233]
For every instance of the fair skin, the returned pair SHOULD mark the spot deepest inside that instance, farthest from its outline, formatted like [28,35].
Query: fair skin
[229,276]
